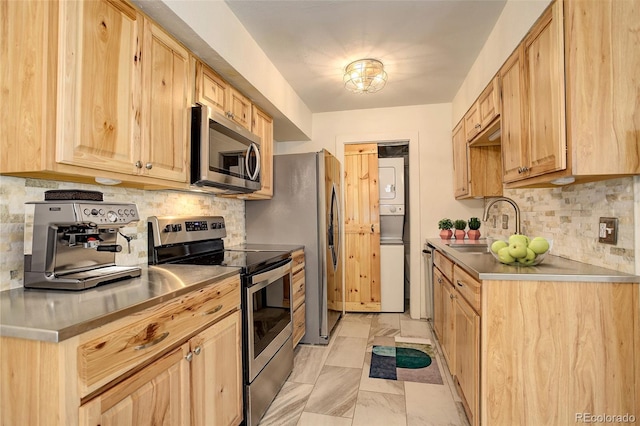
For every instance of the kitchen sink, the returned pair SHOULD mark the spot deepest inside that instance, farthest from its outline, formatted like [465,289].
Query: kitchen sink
[470,248]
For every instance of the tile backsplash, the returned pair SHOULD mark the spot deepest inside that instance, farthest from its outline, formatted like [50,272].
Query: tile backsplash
[15,192]
[569,215]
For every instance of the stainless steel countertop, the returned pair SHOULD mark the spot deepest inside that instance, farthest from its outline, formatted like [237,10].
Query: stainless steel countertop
[57,315]
[483,266]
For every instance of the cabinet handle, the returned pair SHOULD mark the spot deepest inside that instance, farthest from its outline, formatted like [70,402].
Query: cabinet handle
[451,296]
[213,311]
[477,126]
[149,166]
[189,356]
[197,350]
[139,164]
[153,342]
[439,280]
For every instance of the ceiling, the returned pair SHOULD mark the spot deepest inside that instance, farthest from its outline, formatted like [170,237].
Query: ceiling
[427,46]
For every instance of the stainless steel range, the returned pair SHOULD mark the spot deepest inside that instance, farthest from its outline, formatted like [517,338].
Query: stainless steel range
[267,316]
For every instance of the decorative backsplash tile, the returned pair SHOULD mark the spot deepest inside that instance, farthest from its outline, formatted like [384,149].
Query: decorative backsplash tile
[569,215]
[14,213]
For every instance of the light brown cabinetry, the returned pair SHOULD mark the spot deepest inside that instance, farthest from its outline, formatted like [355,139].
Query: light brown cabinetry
[239,108]
[103,81]
[460,162]
[145,368]
[444,319]
[483,111]
[578,91]
[362,228]
[298,287]
[467,341]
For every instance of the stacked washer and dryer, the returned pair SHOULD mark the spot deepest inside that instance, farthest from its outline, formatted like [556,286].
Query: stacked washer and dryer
[392,253]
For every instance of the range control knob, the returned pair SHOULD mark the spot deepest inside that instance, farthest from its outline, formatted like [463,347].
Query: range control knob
[176,227]
[94,212]
[167,228]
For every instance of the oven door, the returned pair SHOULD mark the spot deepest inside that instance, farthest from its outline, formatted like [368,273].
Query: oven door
[267,315]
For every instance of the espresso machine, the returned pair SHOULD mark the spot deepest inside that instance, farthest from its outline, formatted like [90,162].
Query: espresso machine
[74,244]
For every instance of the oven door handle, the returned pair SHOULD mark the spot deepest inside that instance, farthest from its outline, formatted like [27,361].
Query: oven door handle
[263,279]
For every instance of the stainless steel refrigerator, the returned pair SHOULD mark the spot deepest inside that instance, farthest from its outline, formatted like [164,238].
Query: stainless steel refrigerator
[305,209]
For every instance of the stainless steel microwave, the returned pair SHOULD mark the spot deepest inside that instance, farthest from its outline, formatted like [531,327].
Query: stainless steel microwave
[225,157]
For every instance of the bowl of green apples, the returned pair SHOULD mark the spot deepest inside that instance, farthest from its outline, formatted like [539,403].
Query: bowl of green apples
[520,250]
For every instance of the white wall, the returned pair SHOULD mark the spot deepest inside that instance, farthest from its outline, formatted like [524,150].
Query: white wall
[512,25]
[427,129]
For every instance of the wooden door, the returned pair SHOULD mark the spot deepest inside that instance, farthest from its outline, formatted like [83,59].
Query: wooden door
[262,126]
[99,90]
[166,104]
[472,122]
[489,103]
[544,80]
[514,149]
[211,89]
[157,395]
[448,327]
[438,304]
[362,228]
[216,373]
[467,354]
[239,108]
[460,162]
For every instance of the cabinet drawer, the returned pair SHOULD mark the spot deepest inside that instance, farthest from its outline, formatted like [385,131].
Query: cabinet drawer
[119,347]
[298,291]
[468,287]
[299,323]
[444,264]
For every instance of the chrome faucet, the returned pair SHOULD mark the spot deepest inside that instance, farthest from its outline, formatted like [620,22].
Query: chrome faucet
[508,200]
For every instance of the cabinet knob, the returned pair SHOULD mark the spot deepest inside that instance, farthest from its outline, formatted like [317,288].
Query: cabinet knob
[149,166]
[440,280]
[189,356]
[451,296]
[139,164]
[477,126]
[197,350]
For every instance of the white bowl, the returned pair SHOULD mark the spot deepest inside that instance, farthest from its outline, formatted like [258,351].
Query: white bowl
[536,261]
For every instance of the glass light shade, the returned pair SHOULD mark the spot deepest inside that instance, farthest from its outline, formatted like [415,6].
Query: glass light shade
[365,76]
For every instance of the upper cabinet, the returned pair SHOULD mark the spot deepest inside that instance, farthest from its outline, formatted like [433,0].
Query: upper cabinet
[239,108]
[113,93]
[477,168]
[570,109]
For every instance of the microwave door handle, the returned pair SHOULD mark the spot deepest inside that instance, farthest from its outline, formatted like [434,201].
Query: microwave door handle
[253,175]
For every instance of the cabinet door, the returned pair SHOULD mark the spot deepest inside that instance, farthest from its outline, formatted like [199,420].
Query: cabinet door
[211,89]
[514,150]
[448,343]
[216,373]
[262,126]
[239,108]
[157,395]
[460,162]
[99,85]
[438,304]
[467,354]
[489,103]
[166,101]
[472,122]
[362,228]
[544,80]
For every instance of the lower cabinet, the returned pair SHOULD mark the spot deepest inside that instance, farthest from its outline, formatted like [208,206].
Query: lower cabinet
[467,356]
[298,289]
[176,363]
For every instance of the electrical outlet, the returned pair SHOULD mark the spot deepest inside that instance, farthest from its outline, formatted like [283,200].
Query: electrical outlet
[608,230]
[505,221]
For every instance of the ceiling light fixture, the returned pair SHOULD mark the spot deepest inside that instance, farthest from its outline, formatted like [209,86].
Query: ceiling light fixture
[365,76]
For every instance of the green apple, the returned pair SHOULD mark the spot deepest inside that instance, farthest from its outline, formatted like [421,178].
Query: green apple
[519,237]
[539,245]
[504,256]
[497,245]
[529,258]
[517,249]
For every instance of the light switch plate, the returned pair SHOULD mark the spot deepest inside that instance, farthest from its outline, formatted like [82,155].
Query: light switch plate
[608,230]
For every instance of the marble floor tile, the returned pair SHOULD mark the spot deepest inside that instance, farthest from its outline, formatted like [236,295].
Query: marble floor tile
[374,408]
[430,405]
[313,419]
[354,329]
[335,392]
[386,320]
[378,385]
[347,352]
[415,328]
[307,362]
[287,407]
[359,317]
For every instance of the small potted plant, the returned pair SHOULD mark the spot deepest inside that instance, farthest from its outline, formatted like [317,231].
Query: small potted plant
[474,225]
[460,226]
[445,226]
